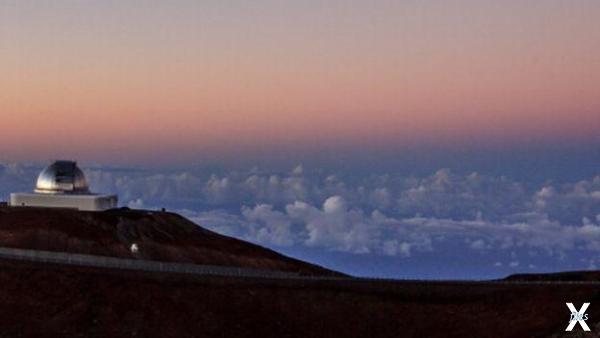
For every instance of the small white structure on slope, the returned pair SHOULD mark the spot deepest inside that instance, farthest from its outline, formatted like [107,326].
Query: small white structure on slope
[63,185]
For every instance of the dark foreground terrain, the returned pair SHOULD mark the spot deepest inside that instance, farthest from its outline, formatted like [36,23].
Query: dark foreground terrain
[38,299]
[51,300]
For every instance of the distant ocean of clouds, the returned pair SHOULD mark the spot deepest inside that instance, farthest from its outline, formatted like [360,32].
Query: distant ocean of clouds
[498,224]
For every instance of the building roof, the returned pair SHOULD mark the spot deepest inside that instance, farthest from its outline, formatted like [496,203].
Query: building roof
[62,177]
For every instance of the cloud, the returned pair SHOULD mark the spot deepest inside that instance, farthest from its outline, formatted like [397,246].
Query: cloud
[388,214]
[268,226]
[299,170]
[334,226]
[217,189]
[136,204]
[478,244]
[334,205]
[17,177]
[445,195]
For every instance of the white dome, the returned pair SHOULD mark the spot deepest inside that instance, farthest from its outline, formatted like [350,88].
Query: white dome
[62,177]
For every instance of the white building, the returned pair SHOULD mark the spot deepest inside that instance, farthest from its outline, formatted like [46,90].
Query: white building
[63,185]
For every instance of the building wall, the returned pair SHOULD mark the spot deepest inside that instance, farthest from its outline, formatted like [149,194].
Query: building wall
[80,202]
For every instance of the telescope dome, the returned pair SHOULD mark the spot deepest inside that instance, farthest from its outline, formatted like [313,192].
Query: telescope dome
[62,177]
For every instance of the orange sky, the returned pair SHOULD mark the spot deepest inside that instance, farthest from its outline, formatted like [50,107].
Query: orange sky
[95,79]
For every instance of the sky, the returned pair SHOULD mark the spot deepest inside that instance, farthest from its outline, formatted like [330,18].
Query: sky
[155,81]
[209,108]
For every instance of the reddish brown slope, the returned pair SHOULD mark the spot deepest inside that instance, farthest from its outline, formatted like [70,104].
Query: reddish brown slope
[159,236]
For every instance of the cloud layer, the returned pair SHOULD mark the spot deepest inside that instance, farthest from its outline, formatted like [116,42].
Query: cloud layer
[383,215]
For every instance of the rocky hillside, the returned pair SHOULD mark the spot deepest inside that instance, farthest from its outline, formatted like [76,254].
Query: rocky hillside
[158,236]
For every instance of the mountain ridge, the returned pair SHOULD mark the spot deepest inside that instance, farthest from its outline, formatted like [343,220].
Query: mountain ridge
[156,235]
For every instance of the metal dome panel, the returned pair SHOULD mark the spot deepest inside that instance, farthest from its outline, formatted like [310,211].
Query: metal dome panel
[62,177]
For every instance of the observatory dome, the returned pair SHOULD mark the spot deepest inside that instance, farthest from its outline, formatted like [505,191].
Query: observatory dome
[62,177]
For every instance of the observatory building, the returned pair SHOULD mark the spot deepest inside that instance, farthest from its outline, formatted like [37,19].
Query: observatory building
[63,185]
